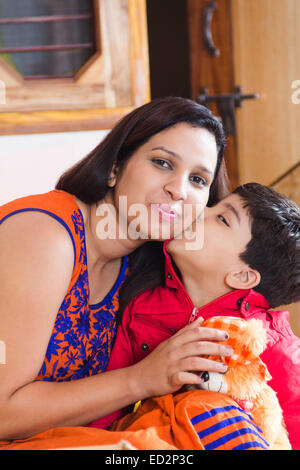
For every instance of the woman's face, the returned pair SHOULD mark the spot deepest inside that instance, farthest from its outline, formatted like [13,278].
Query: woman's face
[165,184]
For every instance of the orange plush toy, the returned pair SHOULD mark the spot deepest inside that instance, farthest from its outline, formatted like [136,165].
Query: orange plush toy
[247,376]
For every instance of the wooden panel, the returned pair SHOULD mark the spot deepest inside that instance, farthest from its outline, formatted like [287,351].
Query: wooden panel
[289,184]
[60,121]
[36,96]
[266,38]
[9,76]
[139,52]
[214,73]
[116,52]
[113,82]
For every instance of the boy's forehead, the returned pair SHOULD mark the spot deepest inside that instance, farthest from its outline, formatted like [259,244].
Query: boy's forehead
[236,202]
[233,198]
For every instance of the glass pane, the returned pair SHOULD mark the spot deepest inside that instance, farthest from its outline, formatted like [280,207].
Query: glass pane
[61,62]
[21,8]
[42,34]
[50,63]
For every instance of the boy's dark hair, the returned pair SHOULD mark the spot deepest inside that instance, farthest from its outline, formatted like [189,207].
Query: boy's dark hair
[274,249]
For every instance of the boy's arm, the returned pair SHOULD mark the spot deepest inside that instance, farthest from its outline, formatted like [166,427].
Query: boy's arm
[283,362]
[121,356]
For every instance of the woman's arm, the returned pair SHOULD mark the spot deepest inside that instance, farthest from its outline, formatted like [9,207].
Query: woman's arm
[36,263]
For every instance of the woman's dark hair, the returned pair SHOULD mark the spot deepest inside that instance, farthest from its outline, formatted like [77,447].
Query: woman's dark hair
[274,249]
[87,179]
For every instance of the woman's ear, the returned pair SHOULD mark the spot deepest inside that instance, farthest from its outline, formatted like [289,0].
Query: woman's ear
[111,182]
[247,278]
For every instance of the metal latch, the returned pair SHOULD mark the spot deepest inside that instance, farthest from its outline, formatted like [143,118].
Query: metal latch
[226,104]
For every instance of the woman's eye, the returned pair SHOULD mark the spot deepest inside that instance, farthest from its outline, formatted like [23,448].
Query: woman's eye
[223,220]
[161,162]
[199,180]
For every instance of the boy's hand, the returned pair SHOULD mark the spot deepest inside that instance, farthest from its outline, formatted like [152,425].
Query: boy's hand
[169,366]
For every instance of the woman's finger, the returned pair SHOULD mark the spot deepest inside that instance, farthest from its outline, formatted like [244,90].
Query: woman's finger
[186,378]
[190,326]
[203,348]
[202,364]
[199,333]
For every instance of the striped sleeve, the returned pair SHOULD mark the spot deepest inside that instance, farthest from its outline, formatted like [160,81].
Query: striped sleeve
[228,428]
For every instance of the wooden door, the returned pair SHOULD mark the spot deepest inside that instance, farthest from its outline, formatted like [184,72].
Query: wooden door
[266,37]
[258,49]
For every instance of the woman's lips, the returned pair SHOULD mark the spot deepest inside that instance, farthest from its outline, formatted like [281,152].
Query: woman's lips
[166,212]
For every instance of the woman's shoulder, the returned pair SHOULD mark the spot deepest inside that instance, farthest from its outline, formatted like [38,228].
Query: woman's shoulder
[34,229]
[55,201]
[32,245]
[54,216]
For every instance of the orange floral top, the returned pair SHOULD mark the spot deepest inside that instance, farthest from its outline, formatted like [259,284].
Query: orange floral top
[83,334]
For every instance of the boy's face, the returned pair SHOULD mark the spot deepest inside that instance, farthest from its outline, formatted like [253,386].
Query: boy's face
[227,231]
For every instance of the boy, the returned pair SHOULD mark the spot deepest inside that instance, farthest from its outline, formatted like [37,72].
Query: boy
[249,263]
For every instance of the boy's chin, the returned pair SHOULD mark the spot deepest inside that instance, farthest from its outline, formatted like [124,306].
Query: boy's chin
[176,245]
[173,245]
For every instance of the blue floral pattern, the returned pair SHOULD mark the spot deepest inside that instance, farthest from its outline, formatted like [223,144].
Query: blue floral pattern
[82,337]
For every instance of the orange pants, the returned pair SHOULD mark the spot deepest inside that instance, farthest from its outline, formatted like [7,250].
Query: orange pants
[194,420]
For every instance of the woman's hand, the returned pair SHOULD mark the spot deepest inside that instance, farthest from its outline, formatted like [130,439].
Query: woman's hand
[170,365]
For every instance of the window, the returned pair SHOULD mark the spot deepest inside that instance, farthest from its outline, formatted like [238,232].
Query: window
[47,39]
[71,64]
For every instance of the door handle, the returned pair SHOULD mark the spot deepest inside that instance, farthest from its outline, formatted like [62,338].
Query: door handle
[207,32]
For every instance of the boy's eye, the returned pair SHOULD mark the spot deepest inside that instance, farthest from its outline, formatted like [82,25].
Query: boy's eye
[223,220]
[199,180]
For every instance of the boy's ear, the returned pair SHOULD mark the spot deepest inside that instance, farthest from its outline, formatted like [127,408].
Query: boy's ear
[113,176]
[247,278]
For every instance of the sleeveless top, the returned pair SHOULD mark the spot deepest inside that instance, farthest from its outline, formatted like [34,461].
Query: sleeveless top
[83,334]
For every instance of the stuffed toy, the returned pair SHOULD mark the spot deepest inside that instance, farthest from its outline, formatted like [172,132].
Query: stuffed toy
[246,378]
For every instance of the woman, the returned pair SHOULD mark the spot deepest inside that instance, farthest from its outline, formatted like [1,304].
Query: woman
[61,280]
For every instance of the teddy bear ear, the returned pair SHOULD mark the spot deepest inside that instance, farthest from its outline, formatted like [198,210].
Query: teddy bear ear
[255,336]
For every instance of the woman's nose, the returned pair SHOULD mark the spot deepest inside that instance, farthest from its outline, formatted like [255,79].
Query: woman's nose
[177,188]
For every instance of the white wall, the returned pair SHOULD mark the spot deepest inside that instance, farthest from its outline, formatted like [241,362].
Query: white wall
[32,164]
